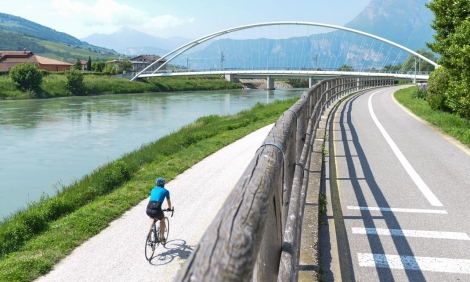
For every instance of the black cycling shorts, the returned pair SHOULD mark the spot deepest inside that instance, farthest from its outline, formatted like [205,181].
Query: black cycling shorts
[154,210]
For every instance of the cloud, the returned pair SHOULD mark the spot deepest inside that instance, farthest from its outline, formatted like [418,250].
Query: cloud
[108,13]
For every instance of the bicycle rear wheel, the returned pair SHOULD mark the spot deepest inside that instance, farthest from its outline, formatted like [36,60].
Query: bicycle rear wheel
[150,244]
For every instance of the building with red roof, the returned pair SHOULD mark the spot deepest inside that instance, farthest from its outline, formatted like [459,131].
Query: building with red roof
[9,59]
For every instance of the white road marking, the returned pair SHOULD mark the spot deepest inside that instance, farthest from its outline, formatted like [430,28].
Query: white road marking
[414,263]
[397,210]
[412,233]
[409,169]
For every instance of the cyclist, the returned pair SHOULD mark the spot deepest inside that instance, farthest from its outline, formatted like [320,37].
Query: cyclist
[154,207]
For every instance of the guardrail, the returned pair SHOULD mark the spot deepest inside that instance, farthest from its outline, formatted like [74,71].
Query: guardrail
[256,234]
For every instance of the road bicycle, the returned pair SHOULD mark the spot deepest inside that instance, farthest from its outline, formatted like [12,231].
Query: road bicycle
[154,238]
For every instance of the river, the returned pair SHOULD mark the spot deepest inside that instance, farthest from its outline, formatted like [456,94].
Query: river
[48,143]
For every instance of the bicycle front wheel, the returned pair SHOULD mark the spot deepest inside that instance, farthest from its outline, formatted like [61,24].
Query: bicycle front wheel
[167,227]
[150,244]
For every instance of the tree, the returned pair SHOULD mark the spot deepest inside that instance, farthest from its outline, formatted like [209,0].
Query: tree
[110,68]
[77,65]
[98,66]
[346,68]
[452,25]
[88,64]
[392,68]
[420,64]
[125,66]
[27,76]
[75,82]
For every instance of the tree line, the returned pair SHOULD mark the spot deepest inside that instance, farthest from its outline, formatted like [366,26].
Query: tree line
[449,85]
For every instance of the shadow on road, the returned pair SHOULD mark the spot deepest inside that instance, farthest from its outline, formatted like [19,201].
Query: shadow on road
[171,250]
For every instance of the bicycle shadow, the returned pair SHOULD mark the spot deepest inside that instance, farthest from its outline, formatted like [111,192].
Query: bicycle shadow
[172,249]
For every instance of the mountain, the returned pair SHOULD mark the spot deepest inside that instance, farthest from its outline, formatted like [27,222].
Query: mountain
[22,26]
[17,33]
[406,22]
[132,42]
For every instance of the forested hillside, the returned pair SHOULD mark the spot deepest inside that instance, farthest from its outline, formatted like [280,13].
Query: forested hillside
[14,42]
[22,26]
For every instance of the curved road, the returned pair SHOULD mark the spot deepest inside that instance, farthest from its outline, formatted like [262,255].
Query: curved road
[399,193]
[117,253]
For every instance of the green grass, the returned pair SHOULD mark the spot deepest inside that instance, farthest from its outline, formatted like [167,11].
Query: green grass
[166,84]
[33,240]
[54,85]
[63,52]
[451,124]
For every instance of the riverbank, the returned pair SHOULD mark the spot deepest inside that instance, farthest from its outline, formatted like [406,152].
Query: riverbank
[54,85]
[32,241]
[102,256]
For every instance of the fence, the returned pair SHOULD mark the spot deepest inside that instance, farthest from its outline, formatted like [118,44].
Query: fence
[256,234]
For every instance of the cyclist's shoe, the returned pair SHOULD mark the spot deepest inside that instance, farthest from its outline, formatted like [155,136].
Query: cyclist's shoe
[163,241]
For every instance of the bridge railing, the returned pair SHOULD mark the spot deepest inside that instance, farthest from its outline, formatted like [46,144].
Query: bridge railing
[185,70]
[256,234]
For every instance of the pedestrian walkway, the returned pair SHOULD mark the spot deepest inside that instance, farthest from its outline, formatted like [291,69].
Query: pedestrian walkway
[117,253]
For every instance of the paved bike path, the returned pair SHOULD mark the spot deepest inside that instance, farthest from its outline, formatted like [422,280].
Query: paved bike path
[399,196]
[117,253]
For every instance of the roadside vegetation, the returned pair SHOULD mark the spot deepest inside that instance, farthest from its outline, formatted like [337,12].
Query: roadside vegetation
[445,100]
[452,124]
[449,85]
[34,239]
[17,84]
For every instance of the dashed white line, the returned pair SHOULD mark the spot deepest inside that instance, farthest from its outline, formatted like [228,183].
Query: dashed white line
[409,169]
[414,263]
[411,233]
[397,210]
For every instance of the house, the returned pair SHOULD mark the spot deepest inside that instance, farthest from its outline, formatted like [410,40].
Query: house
[52,65]
[9,59]
[141,62]
[84,64]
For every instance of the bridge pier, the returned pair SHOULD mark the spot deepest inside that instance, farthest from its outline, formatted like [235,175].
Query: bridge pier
[231,78]
[312,81]
[269,83]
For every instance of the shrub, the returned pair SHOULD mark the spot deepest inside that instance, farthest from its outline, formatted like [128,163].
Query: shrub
[27,76]
[438,84]
[75,83]
[459,98]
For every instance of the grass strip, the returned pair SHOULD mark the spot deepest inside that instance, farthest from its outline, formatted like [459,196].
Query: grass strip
[54,85]
[33,240]
[450,124]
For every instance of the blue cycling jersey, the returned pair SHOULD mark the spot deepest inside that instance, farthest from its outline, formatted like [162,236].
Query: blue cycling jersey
[158,194]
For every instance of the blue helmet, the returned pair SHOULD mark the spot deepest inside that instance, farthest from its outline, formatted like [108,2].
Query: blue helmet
[160,181]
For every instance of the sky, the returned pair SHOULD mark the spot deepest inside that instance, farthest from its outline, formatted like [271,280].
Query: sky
[185,18]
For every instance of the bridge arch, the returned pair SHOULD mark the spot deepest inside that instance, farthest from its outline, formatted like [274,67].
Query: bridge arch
[178,51]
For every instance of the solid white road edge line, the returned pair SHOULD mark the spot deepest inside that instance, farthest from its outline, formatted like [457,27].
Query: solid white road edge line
[415,263]
[411,233]
[409,169]
[396,210]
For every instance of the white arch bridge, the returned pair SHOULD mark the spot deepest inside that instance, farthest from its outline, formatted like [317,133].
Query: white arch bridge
[304,50]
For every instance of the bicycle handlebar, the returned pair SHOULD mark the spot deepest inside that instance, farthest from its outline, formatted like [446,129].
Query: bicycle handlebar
[172,211]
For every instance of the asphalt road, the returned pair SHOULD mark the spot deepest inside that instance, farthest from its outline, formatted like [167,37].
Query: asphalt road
[398,193]
[117,253]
